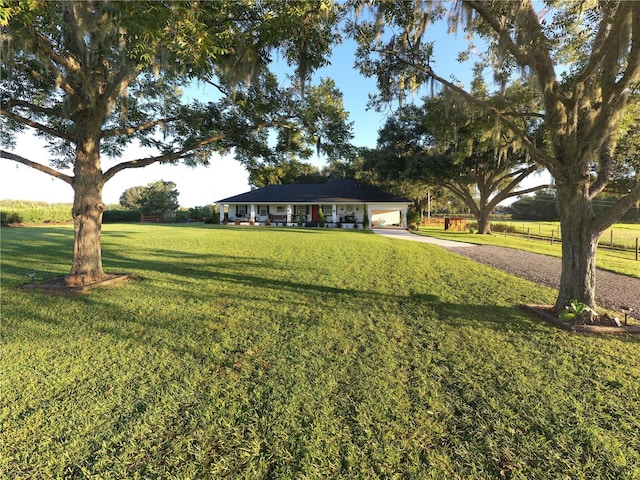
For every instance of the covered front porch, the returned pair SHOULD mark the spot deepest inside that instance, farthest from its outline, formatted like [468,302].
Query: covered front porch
[341,215]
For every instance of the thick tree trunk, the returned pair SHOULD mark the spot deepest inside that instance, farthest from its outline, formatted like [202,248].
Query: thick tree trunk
[484,222]
[87,217]
[579,243]
[87,225]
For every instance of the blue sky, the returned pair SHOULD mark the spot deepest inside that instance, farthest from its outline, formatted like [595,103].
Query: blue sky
[226,177]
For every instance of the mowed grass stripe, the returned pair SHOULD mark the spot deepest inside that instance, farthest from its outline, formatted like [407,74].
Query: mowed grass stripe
[272,353]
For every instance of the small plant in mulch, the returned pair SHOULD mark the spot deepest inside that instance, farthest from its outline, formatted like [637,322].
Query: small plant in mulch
[577,313]
[321,217]
[578,317]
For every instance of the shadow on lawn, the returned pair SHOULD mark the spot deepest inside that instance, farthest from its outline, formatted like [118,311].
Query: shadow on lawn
[41,255]
[273,281]
[502,319]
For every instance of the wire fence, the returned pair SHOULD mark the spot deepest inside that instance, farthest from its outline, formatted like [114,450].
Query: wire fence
[620,239]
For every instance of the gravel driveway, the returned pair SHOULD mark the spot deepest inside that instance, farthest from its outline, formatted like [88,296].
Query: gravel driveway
[613,290]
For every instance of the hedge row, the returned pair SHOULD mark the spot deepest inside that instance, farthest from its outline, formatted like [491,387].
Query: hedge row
[16,212]
[22,212]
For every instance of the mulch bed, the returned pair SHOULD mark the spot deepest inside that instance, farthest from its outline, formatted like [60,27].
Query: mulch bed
[59,286]
[546,313]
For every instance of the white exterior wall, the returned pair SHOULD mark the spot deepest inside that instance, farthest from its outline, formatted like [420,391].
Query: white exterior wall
[389,213]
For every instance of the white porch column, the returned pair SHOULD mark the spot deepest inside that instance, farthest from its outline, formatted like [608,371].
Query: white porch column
[222,213]
[367,210]
[334,213]
[404,217]
[252,213]
[289,213]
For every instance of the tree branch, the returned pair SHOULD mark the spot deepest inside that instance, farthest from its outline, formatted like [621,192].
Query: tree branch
[36,125]
[605,166]
[632,72]
[218,86]
[544,159]
[602,45]
[37,76]
[539,59]
[525,191]
[33,107]
[615,211]
[138,128]
[50,56]
[121,80]
[463,194]
[37,166]
[503,35]
[514,173]
[518,176]
[143,162]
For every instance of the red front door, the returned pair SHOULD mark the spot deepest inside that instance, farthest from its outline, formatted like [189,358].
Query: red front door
[314,213]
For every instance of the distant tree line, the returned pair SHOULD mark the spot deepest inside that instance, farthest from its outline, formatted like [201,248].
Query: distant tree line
[161,198]
[542,206]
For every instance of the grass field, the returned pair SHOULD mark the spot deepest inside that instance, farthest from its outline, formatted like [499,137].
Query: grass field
[618,261]
[279,354]
[620,235]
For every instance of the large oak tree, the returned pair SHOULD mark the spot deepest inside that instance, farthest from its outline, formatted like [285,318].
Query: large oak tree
[584,57]
[444,142]
[93,77]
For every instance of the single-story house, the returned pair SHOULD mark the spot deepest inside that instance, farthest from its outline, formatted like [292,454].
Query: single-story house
[343,203]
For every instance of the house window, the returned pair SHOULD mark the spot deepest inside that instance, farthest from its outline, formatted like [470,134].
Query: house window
[263,210]
[280,208]
[301,209]
[327,210]
[241,210]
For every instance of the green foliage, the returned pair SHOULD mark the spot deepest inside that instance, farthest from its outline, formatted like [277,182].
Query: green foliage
[26,212]
[445,142]
[541,206]
[575,310]
[94,78]
[118,215]
[159,197]
[200,213]
[229,45]
[413,217]
[321,217]
[541,45]
[217,362]
[131,197]
[283,172]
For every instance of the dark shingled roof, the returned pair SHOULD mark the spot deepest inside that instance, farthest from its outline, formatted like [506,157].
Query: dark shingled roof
[338,191]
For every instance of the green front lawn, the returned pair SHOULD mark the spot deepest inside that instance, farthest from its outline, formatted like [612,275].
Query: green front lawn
[280,354]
